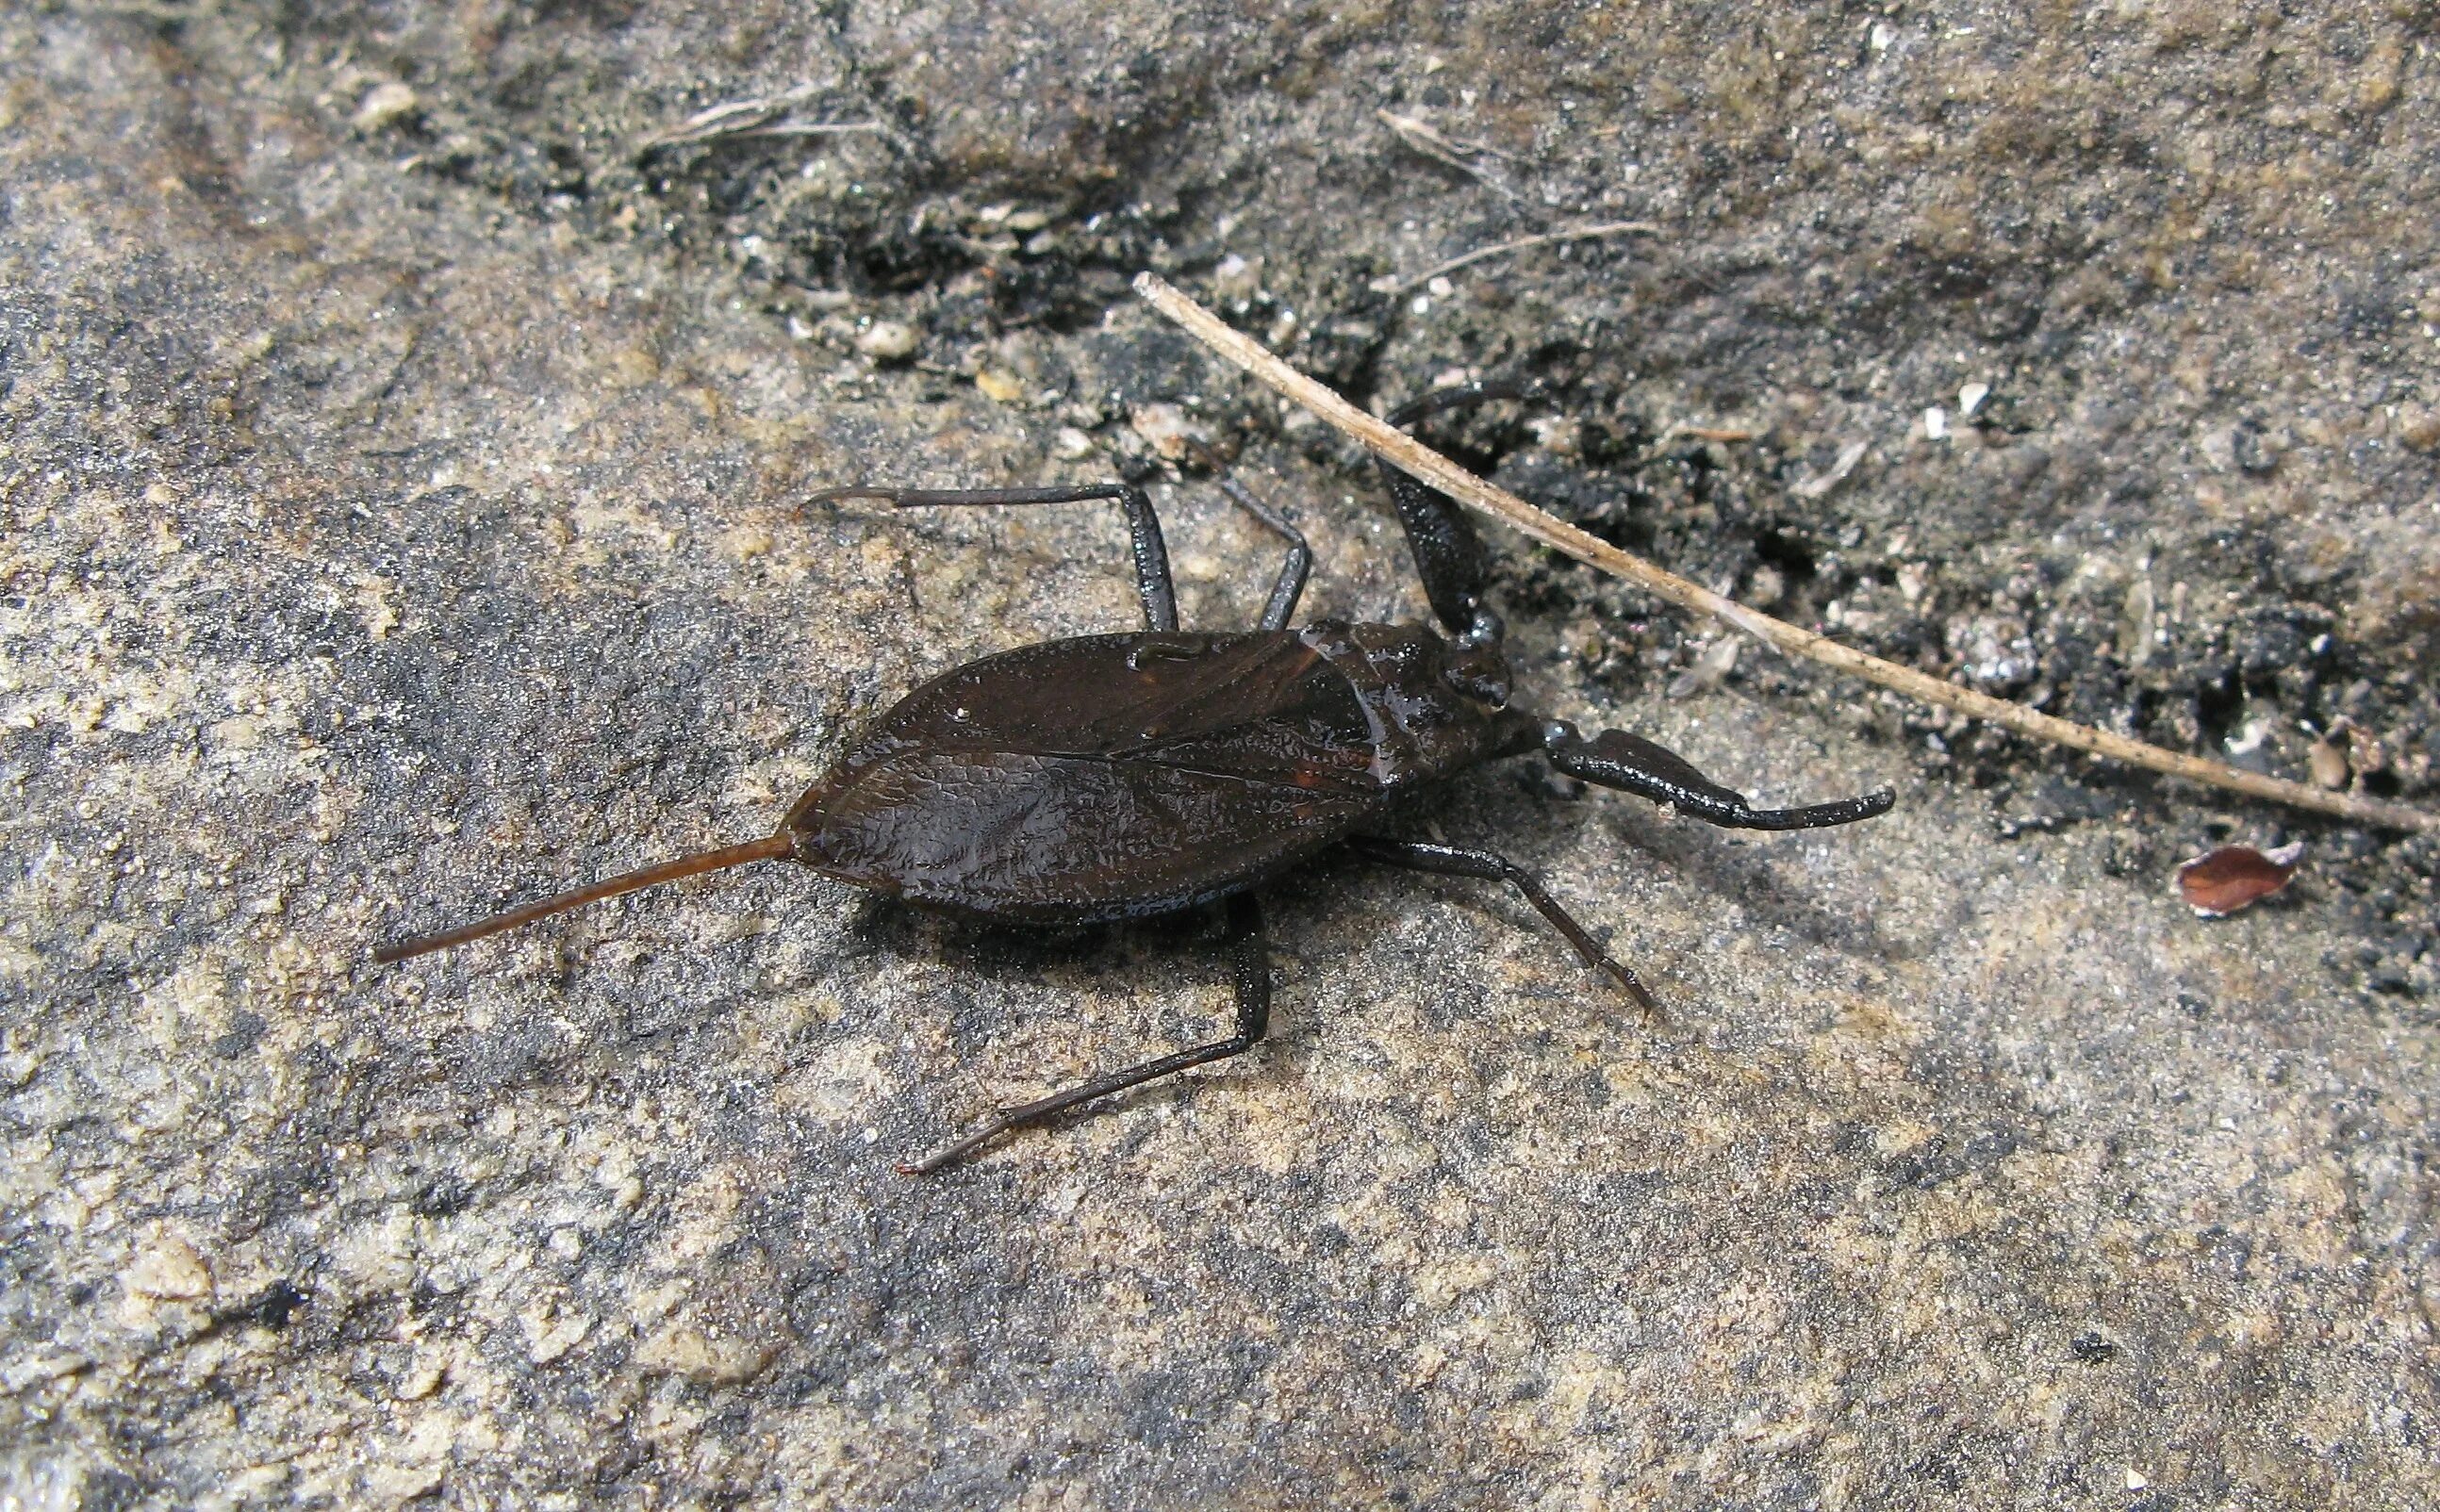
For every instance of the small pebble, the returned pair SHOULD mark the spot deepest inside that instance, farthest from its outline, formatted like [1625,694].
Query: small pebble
[886,341]
[171,1268]
[383,105]
[1165,428]
[2254,450]
[2419,428]
[2329,764]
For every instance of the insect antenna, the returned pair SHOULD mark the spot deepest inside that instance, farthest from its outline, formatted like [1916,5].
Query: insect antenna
[771,847]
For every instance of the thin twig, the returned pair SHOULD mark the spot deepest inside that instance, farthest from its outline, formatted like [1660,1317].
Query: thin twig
[1424,138]
[1585,233]
[1430,467]
[1442,150]
[761,116]
[1819,485]
[810,129]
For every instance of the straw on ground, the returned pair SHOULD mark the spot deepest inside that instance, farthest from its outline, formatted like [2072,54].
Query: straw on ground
[1413,457]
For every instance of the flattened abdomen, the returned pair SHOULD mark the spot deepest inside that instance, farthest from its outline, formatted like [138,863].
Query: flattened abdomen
[1025,835]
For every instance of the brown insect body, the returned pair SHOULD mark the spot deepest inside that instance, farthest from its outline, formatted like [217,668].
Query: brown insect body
[1120,776]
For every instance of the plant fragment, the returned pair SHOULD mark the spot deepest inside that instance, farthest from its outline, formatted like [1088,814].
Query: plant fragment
[2228,878]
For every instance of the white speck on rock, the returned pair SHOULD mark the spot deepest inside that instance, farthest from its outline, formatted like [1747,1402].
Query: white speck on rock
[386,104]
[169,1267]
[886,341]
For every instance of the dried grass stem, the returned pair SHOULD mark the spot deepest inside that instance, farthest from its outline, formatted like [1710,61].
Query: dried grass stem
[1422,463]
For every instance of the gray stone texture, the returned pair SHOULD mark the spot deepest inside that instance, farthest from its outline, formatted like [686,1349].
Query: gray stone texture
[401,471]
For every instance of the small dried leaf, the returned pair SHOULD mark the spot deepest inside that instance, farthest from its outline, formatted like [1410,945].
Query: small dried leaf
[2221,882]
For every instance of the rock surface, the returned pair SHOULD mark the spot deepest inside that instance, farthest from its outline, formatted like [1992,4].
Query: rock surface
[407,410]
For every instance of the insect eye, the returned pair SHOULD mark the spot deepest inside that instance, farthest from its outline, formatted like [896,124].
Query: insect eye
[1485,684]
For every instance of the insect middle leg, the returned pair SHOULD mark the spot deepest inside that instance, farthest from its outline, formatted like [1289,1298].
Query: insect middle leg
[1153,583]
[1249,967]
[1290,586]
[1452,861]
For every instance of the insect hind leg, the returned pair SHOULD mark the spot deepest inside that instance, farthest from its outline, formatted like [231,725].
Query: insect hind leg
[1249,966]
[1452,861]
[1153,584]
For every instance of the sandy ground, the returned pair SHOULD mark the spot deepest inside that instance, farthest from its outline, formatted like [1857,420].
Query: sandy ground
[404,435]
